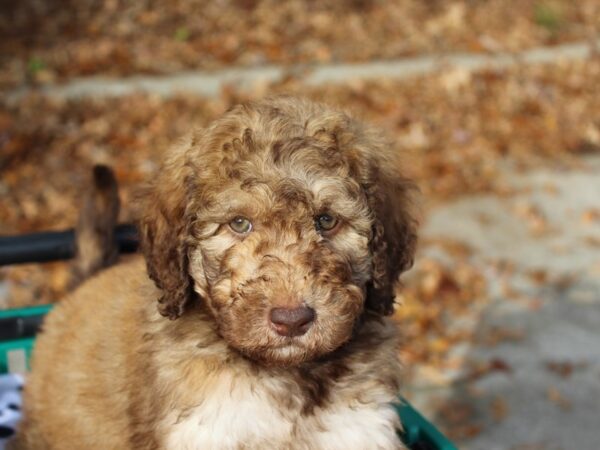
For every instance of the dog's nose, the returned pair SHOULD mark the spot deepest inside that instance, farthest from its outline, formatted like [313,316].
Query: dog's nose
[292,321]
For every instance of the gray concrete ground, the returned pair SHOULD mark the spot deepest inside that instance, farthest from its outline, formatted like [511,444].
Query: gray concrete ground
[549,394]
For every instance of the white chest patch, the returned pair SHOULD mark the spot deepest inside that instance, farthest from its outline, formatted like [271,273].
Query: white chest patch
[233,415]
[237,415]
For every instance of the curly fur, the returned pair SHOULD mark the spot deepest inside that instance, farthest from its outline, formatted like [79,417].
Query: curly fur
[280,139]
[217,375]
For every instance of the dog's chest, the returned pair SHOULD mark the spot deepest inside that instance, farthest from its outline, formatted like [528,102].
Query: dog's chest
[230,417]
[245,415]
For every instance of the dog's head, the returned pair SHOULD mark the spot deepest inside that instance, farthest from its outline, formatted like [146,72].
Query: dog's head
[288,220]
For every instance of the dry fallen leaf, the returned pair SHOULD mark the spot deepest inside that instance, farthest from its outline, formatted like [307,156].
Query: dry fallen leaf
[482,369]
[497,335]
[538,276]
[499,409]
[590,216]
[555,396]
[592,241]
[564,369]
[536,219]
[564,281]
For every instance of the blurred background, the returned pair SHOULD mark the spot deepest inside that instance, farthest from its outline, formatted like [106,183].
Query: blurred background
[496,104]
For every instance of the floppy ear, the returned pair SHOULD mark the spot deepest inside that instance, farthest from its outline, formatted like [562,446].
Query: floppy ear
[378,166]
[393,239]
[163,227]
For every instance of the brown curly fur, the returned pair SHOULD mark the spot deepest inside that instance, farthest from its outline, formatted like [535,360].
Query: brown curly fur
[280,163]
[273,154]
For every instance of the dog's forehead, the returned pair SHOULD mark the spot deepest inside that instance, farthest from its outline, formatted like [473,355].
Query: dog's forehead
[299,184]
[285,160]
[297,170]
[280,191]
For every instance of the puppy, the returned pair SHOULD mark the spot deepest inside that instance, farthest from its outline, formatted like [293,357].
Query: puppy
[272,242]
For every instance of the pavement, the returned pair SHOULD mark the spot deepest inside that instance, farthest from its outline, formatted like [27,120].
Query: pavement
[539,248]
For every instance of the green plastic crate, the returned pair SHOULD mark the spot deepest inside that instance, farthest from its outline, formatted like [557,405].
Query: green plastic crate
[15,353]
[419,434]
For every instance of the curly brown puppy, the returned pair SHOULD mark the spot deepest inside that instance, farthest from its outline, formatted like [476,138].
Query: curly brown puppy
[274,238]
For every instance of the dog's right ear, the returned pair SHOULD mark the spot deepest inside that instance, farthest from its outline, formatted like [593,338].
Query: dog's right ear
[163,228]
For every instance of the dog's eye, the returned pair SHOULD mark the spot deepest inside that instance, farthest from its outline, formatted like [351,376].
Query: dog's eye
[325,222]
[241,225]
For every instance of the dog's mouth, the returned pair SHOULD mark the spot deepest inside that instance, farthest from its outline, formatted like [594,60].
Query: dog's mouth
[287,354]
[290,342]
[280,351]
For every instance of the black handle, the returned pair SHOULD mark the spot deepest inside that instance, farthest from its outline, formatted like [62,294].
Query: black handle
[20,327]
[56,245]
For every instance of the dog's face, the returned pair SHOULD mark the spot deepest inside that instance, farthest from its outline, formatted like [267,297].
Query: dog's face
[280,218]
[280,252]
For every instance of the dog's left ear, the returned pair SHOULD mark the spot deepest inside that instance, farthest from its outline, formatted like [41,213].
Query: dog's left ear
[394,232]
[378,166]
[163,227]
[394,236]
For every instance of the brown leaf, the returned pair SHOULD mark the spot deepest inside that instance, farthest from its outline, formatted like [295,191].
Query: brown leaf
[564,369]
[499,409]
[590,216]
[555,396]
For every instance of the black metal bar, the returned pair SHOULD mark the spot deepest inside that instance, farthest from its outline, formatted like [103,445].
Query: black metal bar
[55,245]
[20,327]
